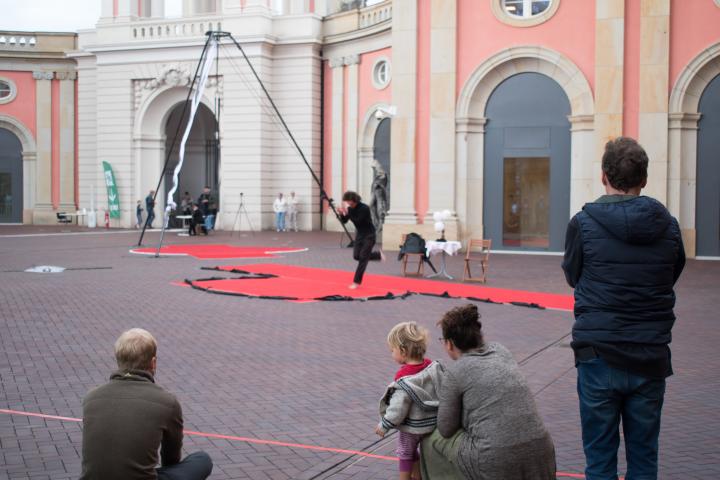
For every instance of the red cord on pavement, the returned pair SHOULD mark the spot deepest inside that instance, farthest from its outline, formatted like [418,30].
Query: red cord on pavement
[256,440]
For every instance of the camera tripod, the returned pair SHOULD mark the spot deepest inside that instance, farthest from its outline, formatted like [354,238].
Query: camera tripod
[241,211]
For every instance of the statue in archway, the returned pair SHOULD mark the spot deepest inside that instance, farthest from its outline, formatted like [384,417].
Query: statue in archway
[378,193]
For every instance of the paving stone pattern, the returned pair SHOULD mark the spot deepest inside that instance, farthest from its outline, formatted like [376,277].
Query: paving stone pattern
[302,373]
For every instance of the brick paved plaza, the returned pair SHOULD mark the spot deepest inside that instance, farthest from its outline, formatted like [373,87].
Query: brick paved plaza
[307,373]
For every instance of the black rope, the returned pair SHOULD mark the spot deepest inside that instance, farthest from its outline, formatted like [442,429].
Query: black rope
[323,194]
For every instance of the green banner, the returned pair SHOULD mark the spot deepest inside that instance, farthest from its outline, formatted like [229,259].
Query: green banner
[113,198]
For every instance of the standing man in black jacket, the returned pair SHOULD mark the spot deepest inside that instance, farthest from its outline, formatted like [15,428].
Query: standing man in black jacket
[623,255]
[359,214]
[128,419]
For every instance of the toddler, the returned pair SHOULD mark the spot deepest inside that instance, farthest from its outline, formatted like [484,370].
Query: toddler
[410,402]
[138,213]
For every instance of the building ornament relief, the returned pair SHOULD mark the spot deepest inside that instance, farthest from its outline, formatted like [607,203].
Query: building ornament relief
[43,75]
[172,76]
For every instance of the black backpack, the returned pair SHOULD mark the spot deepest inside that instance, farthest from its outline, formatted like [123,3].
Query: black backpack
[414,243]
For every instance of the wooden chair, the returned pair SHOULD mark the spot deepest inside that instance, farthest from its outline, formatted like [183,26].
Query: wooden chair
[478,251]
[420,271]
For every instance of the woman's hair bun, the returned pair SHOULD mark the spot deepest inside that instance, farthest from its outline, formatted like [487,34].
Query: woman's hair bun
[469,314]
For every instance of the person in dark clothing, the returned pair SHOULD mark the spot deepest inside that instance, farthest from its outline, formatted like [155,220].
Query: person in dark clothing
[359,214]
[197,219]
[128,419]
[623,255]
[205,200]
[150,207]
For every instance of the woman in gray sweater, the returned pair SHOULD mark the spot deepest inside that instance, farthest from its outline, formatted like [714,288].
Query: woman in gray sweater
[488,426]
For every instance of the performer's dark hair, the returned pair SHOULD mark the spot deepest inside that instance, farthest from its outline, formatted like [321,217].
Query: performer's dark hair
[462,326]
[351,196]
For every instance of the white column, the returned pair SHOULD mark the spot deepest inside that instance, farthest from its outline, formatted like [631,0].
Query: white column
[157,8]
[43,112]
[29,182]
[654,79]
[338,97]
[67,139]
[442,109]
[297,7]
[351,129]
[402,143]
[470,140]
[682,175]
[106,9]
[584,174]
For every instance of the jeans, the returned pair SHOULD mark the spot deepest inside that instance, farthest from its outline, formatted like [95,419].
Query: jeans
[607,396]
[209,222]
[196,466]
[280,221]
[151,217]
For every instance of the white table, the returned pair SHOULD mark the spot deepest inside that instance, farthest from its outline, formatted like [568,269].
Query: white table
[444,249]
[185,219]
[76,216]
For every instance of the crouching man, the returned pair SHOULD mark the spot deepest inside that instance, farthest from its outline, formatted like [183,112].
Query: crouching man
[129,418]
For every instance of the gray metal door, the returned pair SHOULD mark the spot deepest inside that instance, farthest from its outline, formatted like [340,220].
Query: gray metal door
[11,181]
[707,206]
[526,197]
[381,150]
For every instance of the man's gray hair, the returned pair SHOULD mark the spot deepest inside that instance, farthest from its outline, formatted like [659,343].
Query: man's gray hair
[135,349]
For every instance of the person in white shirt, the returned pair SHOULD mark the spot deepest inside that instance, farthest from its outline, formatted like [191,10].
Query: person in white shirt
[280,208]
[292,211]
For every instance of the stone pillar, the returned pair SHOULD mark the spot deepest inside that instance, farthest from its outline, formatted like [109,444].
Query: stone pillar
[337,135]
[351,129]
[584,174]
[682,176]
[402,140]
[67,140]
[654,79]
[297,7]
[443,36]
[157,8]
[107,9]
[256,6]
[43,211]
[29,176]
[470,137]
[609,65]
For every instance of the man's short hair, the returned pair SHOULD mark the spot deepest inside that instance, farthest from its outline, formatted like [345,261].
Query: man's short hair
[351,196]
[135,349]
[624,163]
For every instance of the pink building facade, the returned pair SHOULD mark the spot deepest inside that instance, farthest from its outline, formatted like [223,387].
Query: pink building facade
[502,108]
[494,112]
[37,127]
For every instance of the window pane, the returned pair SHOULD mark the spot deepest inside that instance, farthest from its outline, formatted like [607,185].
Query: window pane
[4,89]
[539,6]
[526,194]
[514,7]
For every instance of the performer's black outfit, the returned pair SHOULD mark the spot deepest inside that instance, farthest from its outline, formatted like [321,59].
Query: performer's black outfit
[197,219]
[364,238]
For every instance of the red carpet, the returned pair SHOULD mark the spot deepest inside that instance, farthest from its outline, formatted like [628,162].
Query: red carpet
[218,251]
[309,284]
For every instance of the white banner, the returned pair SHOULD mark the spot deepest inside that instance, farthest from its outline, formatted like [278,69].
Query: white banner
[194,102]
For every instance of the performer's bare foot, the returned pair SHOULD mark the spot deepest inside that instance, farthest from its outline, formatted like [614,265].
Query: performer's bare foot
[382,256]
[353,286]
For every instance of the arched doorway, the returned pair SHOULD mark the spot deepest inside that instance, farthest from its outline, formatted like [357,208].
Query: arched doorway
[201,165]
[381,151]
[527,164]
[11,178]
[708,172]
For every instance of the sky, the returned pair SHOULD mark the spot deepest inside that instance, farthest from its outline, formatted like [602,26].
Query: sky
[58,15]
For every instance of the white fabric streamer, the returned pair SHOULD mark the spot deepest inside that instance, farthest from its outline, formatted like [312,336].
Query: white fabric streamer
[194,102]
